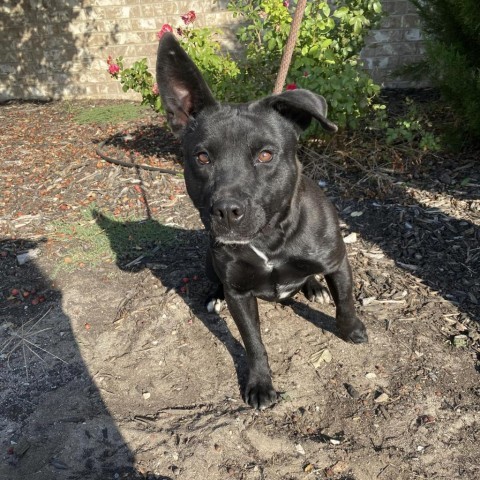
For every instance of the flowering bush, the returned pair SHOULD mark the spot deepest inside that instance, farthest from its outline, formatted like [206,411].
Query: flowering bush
[326,57]
[202,46]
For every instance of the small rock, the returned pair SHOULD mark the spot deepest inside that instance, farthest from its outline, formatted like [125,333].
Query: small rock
[23,258]
[371,375]
[146,395]
[382,398]
[351,238]
[308,468]
[299,449]
[356,214]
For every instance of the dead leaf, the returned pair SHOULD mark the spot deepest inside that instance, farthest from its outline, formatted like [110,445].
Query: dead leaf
[322,356]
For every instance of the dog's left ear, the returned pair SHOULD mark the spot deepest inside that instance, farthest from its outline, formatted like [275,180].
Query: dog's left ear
[300,106]
[182,88]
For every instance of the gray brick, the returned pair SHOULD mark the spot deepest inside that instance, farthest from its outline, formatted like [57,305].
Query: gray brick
[73,42]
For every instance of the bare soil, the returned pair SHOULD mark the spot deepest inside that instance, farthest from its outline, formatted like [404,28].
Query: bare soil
[115,370]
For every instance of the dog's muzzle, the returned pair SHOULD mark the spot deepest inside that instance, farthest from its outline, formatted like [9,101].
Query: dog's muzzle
[228,213]
[234,221]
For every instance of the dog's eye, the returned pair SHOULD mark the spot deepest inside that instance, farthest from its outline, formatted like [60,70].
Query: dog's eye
[203,158]
[264,156]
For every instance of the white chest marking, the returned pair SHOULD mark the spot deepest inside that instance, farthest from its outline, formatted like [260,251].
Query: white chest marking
[268,264]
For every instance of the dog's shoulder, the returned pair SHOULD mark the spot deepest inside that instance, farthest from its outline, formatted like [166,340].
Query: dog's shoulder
[311,195]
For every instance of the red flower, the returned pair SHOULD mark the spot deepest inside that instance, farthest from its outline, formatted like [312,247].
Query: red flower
[189,17]
[165,28]
[113,68]
[286,3]
[155,90]
[291,86]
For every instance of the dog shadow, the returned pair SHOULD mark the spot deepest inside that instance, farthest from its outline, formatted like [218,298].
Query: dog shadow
[183,256]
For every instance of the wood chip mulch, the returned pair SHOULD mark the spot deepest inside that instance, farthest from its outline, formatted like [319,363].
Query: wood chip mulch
[50,170]
[428,230]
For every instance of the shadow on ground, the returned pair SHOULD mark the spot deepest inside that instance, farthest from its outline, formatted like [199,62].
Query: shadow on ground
[180,258]
[54,422]
[439,249]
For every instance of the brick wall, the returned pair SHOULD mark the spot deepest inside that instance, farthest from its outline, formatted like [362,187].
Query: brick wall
[58,48]
[395,43]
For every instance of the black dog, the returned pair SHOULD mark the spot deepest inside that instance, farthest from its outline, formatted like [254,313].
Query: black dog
[271,228]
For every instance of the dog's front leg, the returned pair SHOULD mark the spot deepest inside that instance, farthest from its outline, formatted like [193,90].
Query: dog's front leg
[340,284]
[259,392]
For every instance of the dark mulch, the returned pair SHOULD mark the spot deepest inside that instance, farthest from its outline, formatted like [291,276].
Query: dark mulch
[412,224]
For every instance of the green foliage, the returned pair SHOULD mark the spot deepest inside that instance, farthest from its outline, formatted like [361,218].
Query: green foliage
[452,28]
[139,79]
[413,129]
[326,56]
[325,60]
[218,69]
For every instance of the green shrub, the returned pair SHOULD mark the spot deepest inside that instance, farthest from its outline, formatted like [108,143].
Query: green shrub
[326,57]
[452,30]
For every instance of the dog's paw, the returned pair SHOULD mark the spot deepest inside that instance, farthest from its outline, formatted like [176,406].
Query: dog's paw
[315,291]
[215,305]
[355,334]
[260,395]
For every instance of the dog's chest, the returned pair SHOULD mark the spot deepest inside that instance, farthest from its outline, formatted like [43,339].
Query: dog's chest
[276,278]
[266,276]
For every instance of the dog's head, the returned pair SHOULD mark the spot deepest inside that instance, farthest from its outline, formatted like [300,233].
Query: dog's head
[241,169]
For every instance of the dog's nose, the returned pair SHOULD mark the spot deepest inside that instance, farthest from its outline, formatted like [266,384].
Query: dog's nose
[228,212]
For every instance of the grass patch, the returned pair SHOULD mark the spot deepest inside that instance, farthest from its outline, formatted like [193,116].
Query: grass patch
[110,113]
[101,237]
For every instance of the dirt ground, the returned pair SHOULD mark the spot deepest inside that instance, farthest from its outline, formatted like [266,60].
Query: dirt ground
[113,369]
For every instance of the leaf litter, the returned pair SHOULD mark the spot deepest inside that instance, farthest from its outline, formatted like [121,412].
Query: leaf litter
[150,352]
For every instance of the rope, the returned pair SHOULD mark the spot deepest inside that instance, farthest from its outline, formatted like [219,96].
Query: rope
[290,46]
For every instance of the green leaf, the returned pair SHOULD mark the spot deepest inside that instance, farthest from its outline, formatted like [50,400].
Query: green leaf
[341,12]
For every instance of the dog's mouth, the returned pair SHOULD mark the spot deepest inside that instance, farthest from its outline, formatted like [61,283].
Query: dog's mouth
[231,237]
[224,235]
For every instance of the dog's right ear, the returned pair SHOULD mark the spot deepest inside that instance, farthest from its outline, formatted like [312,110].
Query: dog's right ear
[182,88]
